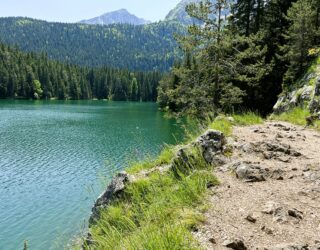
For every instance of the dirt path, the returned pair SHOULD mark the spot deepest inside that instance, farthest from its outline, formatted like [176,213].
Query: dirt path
[269,197]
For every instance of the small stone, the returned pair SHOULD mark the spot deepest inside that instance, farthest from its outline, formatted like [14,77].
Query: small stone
[279,215]
[251,218]
[235,244]
[306,169]
[213,241]
[267,230]
[284,159]
[270,207]
[295,213]
[292,176]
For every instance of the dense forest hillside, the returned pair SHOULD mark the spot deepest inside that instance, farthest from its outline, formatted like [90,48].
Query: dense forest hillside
[118,16]
[28,75]
[142,47]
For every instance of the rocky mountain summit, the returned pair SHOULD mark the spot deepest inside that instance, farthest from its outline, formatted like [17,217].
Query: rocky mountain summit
[119,16]
[179,13]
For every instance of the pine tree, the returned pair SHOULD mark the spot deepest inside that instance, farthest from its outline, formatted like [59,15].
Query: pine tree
[301,37]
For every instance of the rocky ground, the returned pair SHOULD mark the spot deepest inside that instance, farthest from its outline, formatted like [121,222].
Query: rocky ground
[269,197]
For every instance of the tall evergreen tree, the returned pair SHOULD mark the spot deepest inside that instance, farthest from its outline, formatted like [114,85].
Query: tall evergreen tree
[301,36]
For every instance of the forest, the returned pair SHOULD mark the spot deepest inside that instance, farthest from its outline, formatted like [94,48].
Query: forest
[139,48]
[34,76]
[244,61]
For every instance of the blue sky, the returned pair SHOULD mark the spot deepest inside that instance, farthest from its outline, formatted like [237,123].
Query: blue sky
[76,10]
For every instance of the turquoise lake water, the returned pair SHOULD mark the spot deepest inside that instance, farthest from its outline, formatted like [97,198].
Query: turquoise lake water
[55,160]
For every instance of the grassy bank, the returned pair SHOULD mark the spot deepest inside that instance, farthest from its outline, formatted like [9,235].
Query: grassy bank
[161,211]
[296,116]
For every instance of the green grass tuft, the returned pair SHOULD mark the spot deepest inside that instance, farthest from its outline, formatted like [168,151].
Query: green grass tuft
[247,119]
[164,157]
[295,116]
[223,125]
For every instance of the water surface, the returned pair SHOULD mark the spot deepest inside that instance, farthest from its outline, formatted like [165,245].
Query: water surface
[54,157]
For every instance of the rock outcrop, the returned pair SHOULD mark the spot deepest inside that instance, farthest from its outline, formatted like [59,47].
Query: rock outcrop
[210,146]
[114,190]
[308,95]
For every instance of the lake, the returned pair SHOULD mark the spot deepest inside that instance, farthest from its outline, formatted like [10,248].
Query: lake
[56,157]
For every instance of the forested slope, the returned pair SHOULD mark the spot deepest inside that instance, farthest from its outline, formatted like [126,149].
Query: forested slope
[143,47]
[28,75]
[244,61]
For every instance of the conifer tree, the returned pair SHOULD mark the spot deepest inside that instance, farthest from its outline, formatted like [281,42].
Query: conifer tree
[301,36]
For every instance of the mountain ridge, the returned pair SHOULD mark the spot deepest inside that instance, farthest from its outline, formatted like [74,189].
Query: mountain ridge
[121,16]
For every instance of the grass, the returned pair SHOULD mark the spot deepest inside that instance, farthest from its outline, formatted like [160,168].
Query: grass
[247,119]
[225,124]
[313,67]
[164,157]
[161,211]
[295,116]
[158,212]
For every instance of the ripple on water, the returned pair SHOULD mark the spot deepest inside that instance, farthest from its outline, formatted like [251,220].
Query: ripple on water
[53,157]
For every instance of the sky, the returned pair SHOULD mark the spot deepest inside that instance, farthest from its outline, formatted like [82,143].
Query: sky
[76,10]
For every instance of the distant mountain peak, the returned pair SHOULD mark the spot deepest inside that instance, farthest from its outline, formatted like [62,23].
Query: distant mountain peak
[118,16]
[179,12]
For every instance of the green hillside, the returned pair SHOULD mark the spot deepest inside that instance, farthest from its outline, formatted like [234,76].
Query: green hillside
[28,75]
[148,47]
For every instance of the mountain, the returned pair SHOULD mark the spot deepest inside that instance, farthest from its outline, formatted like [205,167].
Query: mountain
[134,47]
[119,16]
[180,15]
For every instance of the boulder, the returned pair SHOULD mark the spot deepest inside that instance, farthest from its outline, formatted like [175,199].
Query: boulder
[250,173]
[281,105]
[211,144]
[114,190]
[306,93]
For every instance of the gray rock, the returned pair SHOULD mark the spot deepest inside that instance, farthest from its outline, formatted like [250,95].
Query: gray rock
[211,144]
[277,174]
[294,98]
[280,106]
[281,148]
[114,190]
[309,95]
[250,173]
[267,230]
[270,207]
[306,94]
[279,215]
